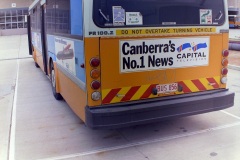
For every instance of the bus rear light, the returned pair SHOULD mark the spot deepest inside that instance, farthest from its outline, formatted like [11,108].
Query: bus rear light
[225,53]
[94,62]
[95,73]
[224,71]
[224,80]
[96,96]
[95,85]
[225,62]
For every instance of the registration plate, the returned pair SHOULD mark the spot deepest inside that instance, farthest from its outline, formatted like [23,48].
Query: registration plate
[167,88]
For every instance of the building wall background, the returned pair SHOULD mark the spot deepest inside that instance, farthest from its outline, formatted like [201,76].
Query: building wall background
[234,3]
[8,21]
[4,4]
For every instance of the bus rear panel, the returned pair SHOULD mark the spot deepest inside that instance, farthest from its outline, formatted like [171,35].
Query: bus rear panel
[164,61]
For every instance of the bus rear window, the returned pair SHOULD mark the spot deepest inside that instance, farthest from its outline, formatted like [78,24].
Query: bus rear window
[115,13]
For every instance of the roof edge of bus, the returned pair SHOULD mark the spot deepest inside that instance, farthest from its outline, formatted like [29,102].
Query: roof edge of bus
[34,4]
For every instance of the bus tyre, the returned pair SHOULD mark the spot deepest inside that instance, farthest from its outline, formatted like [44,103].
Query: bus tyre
[36,65]
[57,96]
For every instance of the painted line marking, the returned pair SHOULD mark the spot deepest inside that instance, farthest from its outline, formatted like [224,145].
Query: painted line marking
[11,155]
[78,155]
[9,59]
[232,115]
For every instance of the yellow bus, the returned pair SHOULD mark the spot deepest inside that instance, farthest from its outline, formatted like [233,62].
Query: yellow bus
[120,63]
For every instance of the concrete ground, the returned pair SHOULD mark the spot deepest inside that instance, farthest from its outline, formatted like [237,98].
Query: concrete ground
[234,59]
[34,126]
[11,49]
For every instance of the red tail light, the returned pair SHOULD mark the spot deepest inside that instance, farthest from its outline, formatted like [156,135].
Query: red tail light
[95,85]
[95,62]
[224,71]
[225,53]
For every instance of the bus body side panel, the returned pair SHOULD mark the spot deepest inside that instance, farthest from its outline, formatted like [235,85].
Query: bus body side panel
[67,55]
[73,94]
[34,53]
[37,45]
[39,59]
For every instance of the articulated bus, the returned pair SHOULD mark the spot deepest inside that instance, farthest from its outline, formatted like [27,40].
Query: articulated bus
[121,63]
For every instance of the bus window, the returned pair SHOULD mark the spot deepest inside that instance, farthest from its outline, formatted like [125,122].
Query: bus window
[160,13]
[65,18]
[50,17]
[62,14]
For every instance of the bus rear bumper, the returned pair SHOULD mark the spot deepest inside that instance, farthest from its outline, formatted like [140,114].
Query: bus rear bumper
[152,110]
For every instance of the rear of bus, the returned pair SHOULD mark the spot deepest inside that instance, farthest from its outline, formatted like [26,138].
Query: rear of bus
[155,60]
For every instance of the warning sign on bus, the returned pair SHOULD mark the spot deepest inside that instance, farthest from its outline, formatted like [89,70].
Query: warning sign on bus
[155,54]
[163,31]
[205,16]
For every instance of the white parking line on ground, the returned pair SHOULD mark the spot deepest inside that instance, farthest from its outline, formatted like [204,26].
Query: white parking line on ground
[14,58]
[11,155]
[232,115]
[234,67]
[78,155]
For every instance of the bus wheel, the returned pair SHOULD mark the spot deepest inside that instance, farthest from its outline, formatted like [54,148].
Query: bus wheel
[36,65]
[57,96]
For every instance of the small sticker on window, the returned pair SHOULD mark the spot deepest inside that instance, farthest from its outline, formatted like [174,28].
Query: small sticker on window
[134,18]
[118,15]
[169,23]
[205,16]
